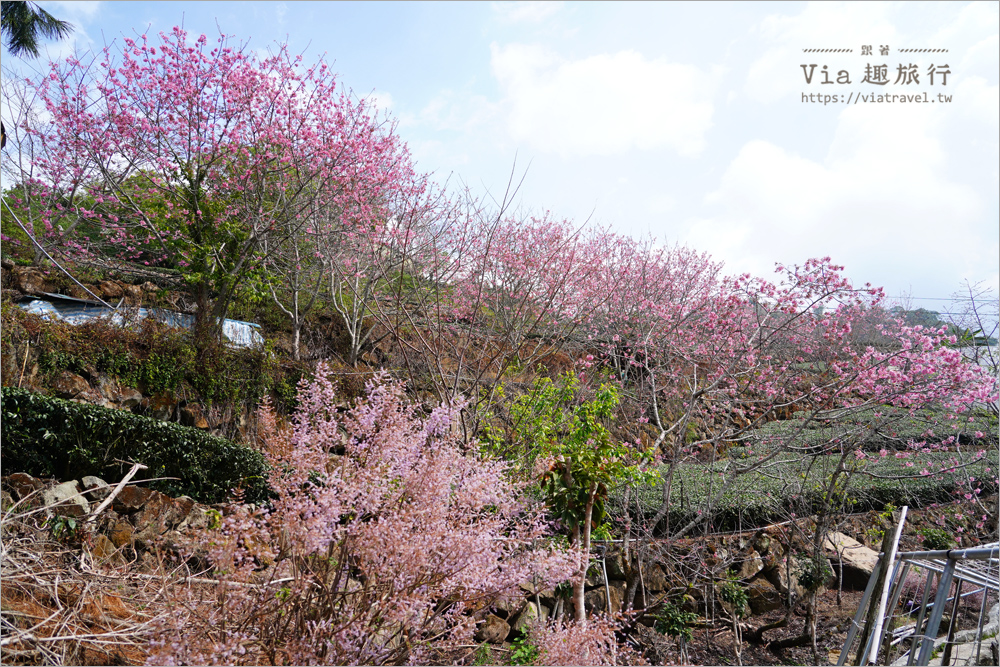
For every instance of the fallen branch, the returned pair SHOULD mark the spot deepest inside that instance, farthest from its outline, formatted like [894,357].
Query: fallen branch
[121,485]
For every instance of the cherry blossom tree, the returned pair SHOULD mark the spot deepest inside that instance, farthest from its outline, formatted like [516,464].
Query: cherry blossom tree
[190,155]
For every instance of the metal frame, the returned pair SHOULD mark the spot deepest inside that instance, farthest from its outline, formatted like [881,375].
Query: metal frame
[978,566]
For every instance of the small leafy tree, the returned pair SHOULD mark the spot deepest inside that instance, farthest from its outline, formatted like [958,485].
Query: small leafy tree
[569,446]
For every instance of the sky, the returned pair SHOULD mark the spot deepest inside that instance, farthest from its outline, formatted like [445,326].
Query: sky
[690,122]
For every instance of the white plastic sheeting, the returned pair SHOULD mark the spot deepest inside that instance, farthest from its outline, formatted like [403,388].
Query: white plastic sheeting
[78,311]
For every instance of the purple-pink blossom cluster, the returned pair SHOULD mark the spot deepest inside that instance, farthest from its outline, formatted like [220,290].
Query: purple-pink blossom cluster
[386,552]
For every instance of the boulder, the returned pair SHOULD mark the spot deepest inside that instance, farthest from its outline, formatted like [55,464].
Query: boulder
[121,533]
[654,578]
[763,596]
[750,565]
[508,608]
[130,499]
[778,576]
[28,280]
[117,396]
[111,289]
[192,415]
[78,292]
[160,406]
[529,616]
[95,488]
[105,552]
[614,562]
[858,560]
[150,520]
[594,600]
[23,484]
[493,630]
[66,499]
[198,518]
[70,385]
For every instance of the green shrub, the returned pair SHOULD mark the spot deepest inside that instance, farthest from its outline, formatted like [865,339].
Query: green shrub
[937,539]
[673,621]
[50,437]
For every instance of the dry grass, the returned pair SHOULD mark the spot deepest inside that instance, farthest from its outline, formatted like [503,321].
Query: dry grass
[59,606]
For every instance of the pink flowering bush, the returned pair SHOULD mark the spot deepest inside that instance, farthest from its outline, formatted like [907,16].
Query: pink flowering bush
[578,644]
[381,554]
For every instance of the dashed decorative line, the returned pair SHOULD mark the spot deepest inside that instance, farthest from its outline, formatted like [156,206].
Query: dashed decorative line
[827,50]
[923,50]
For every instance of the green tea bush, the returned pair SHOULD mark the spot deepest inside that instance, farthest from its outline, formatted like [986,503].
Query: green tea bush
[50,437]
[757,499]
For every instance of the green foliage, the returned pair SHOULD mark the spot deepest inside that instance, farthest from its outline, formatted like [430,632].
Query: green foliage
[813,571]
[732,592]
[524,652]
[155,359]
[552,423]
[877,532]
[63,528]
[673,621]
[755,499]
[484,656]
[937,539]
[49,437]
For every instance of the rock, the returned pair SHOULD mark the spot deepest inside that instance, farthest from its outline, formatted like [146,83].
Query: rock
[192,415]
[179,511]
[762,543]
[65,499]
[121,533]
[28,280]
[116,395]
[150,520]
[95,488]
[614,562]
[529,616]
[199,518]
[529,588]
[508,608]
[858,560]
[149,287]
[763,596]
[6,501]
[111,289]
[655,579]
[70,385]
[748,565]
[493,630]
[594,600]
[130,499]
[160,406]
[132,291]
[23,484]
[779,578]
[104,551]
[78,292]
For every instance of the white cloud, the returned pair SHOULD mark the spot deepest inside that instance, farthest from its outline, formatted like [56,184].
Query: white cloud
[527,12]
[881,202]
[828,25]
[381,101]
[604,104]
[76,8]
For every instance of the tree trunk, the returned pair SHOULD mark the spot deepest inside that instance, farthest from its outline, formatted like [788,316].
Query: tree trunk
[584,545]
